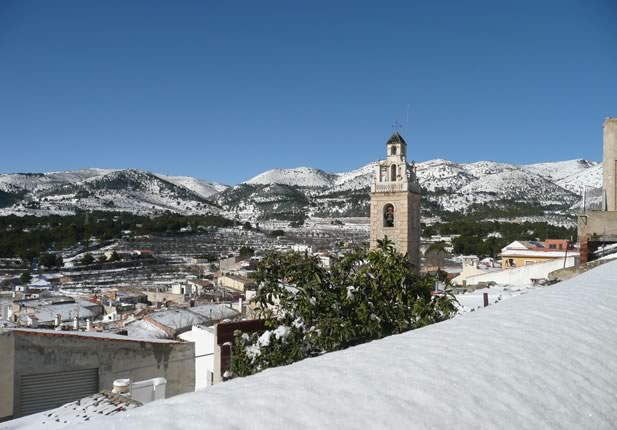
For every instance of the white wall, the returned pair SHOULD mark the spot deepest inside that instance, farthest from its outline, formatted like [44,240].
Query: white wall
[522,275]
[204,344]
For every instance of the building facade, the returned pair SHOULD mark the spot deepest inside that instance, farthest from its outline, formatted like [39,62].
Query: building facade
[524,253]
[395,202]
[597,229]
[44,369]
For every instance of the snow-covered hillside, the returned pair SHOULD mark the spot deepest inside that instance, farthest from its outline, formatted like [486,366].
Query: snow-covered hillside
[447,186]
[292,194]
[128,190]
[590,178]
[200,187]
[556,171]
[300,177]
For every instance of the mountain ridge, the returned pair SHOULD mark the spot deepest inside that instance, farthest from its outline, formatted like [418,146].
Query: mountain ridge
[297,193]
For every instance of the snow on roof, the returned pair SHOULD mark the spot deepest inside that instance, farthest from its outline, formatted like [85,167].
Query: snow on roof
[144,330]
[93,407]
[215,311]
[67,311]
[186,317]
[40,283]
[545,359]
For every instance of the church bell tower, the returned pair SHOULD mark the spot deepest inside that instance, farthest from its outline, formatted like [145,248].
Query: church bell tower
[395,202]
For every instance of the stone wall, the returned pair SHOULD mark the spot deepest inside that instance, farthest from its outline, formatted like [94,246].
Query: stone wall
[138,360]
[598,224]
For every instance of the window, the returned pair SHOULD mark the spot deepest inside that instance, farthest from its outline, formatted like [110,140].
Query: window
[554,246]
[393,150]
[529,262]
[388,215]
[393,172]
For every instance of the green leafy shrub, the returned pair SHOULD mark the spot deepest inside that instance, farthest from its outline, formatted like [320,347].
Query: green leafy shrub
[309,310]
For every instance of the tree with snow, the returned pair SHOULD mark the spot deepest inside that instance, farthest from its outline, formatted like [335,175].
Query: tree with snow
[87,259]
[25,278]
[309,310]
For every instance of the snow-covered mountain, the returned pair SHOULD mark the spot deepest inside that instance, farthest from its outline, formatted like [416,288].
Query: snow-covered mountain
[199,186]
[291,194]
[127,190]
[301,177]
[447,186]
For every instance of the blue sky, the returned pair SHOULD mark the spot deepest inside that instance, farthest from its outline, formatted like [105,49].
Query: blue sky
[225,90]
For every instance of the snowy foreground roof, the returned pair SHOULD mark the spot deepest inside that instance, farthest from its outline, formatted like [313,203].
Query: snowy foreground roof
[96,406]
[546,359]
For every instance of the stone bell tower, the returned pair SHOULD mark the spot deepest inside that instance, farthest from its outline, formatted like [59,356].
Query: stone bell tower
[395,201]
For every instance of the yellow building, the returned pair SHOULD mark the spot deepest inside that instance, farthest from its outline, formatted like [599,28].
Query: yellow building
[523,253]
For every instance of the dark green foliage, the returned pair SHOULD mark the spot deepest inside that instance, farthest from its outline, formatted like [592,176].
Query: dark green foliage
[8,199]
[286,203]
[366,295]
[51,261]
[25,278]
[344,204]
[87,259]
[487,238]
[246,251]
[28,236]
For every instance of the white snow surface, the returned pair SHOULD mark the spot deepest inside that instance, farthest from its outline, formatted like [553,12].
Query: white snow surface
[301,176]
[199,186]
[543,360]
[556,170]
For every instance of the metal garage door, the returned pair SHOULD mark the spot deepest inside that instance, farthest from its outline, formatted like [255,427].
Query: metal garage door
[45,391]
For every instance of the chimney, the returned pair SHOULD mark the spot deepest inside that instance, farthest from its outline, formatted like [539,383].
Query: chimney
[88,325]
[121,386]
[75,324]
[57,320]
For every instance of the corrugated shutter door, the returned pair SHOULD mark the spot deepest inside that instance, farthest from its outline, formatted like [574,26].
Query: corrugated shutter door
[46,391]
